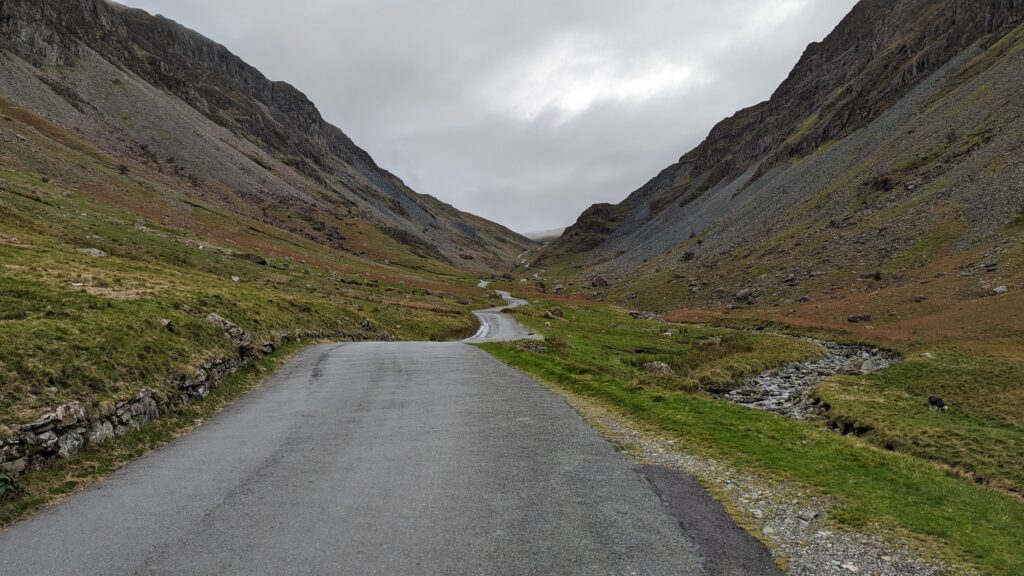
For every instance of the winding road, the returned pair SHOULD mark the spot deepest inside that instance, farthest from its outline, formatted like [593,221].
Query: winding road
[496,326]
[389,459]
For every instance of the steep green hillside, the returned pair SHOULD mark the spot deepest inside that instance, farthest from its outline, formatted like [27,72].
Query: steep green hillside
[95,259]
[150,92]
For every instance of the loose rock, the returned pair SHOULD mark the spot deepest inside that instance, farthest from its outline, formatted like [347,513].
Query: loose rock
[94,252]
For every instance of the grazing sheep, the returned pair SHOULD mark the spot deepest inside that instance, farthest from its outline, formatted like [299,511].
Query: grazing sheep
[936,403]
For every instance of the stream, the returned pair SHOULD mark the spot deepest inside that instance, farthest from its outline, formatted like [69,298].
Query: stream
[787,390]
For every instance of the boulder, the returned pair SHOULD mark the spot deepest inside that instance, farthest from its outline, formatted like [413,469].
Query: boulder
[874,364]
[94,252]
[554,313]
[46,439]
[42,424]
[747,296]
[659,368]
[853,366]
[598,282]
[15,466]
[858,318]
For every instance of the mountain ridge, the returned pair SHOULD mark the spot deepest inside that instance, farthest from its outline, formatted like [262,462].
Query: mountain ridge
[886,75]
[283,163]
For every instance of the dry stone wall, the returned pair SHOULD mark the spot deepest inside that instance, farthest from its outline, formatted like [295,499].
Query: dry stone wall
[68,428]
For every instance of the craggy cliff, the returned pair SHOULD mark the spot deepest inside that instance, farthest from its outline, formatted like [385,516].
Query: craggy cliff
[895,127]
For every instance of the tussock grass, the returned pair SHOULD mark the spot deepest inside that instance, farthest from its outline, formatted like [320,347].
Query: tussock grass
[982,436]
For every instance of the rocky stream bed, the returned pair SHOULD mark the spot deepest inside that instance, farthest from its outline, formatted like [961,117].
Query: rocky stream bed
[787,390]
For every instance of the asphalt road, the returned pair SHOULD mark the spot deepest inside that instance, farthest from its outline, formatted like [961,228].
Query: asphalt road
[377,458]
[496,326]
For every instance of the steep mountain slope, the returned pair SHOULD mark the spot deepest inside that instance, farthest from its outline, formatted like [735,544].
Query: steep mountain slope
[898,135]
[151,92]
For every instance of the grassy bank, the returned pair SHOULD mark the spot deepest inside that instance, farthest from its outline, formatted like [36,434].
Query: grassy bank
[42,487]
[92,327]
[980,437]
[595,353]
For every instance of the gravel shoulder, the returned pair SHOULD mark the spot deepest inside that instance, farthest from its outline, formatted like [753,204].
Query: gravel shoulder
[793,523]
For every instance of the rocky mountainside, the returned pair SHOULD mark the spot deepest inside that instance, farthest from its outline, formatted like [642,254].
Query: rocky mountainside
[896,137]
[157,95]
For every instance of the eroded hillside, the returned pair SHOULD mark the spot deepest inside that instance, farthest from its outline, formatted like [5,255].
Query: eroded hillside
[893,141]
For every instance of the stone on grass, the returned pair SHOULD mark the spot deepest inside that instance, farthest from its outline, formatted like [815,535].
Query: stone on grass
[659,368]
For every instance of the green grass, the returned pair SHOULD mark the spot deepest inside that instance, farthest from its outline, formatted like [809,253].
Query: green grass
[75,327]
[592,354]
[981,436]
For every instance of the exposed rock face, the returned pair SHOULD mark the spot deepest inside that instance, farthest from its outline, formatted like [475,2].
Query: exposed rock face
[905,108]
[144,88]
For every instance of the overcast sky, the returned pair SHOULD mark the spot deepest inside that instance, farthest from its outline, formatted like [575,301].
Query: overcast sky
[522,111]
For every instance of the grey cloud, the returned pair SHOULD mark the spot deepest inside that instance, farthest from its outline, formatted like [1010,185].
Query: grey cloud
[436,91]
